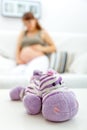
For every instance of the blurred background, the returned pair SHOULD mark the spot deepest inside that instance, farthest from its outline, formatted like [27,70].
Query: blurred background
[56,16]
[64,20]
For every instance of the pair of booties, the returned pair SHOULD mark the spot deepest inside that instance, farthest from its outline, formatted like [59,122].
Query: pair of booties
[47,93]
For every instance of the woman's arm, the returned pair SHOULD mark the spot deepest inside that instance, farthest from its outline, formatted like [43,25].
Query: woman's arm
[18,49]
[47,39]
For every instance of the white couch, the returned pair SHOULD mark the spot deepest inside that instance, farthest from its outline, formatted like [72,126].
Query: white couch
[75,43]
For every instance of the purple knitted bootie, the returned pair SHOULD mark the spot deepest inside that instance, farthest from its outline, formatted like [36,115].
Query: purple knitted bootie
[58,103]
[17,93]
[32,100]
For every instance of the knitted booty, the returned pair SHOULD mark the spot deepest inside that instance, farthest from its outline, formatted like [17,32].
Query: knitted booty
[32,98]
[17,93]
[58,103]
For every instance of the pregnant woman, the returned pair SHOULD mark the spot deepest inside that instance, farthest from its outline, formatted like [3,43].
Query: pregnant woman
[34,44]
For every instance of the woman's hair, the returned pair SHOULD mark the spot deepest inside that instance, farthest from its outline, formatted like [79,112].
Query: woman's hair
[29,16]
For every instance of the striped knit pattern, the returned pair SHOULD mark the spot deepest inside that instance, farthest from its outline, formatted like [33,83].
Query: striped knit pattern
[33,87]
[51,84]
[47,84]
[34,84]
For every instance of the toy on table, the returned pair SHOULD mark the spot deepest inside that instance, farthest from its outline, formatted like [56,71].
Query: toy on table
[47,93]
[29,95]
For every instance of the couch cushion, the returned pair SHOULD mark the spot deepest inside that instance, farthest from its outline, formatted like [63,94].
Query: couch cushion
[58,61]
[79,65]
[6,65]
[8,42]
[61,61]
[70,42]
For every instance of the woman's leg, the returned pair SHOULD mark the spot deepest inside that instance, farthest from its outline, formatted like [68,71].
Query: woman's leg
[40,63]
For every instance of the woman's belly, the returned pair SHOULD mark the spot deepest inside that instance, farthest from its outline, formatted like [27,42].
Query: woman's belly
[28,53]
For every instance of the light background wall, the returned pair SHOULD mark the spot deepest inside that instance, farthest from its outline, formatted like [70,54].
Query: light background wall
[57,16]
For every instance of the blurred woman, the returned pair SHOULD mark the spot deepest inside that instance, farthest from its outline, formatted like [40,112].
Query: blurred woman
[34,44]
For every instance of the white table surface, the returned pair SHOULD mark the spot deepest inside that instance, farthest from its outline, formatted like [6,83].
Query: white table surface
[14,117]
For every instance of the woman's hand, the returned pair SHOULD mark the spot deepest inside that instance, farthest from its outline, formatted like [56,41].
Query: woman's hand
[50,48]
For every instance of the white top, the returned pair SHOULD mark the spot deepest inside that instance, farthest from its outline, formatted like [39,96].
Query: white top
[13,115]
